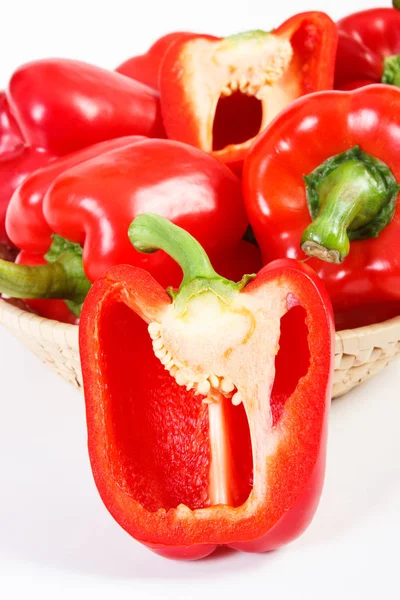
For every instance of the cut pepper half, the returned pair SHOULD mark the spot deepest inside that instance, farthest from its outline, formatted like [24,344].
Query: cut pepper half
[218,94]
[207,406]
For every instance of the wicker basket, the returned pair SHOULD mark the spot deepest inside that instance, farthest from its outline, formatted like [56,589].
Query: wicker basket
[359,353]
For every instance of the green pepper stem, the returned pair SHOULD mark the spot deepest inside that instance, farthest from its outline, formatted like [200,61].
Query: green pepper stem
[62,277]
[352,196]
[396,4]
[391,69]
[149,233]
[41,281]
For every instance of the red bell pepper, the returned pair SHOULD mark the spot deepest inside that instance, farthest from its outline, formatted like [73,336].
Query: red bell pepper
[207,407]
[92,204]
[346,210]
[145,68]
[65,105]
[368,48]
[218,94]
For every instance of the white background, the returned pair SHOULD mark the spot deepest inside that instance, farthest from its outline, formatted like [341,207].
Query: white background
[56,539]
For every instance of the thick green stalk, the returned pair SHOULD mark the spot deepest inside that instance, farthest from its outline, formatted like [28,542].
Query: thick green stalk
[149,233]
[351,196]
[391,70]
[42,281]
[62,277]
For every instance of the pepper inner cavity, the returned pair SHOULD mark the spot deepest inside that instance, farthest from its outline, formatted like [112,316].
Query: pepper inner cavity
[199,353]
[241,108]
[238,118]
[218,391]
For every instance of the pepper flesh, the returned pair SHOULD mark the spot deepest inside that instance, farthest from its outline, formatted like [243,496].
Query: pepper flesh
[204,470]
[229,89]
[364,288]
[366,39]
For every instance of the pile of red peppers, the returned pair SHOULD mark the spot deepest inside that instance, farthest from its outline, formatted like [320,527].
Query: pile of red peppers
[205,213]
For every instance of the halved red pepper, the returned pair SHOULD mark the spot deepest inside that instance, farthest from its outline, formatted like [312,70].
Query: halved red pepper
[90,206]
[368,49]
[207,407]
[218,94]
[331,191]
[65,105]
[146,67]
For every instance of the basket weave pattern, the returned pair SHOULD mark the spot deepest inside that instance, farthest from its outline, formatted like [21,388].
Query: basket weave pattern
[56,344]
[359,353]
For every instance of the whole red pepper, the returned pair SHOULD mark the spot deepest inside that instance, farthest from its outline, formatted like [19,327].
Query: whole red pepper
[218,94]
[146,67]
[345,213]
[207,407]
[65,105]
[170,178]
[368,49]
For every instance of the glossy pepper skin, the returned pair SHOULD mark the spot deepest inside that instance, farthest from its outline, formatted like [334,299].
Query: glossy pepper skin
[366,39]
[25,222]
[64,105]
[182,481]
[365,287]
[15,166]
[146,67]
[167,177]
[218,102]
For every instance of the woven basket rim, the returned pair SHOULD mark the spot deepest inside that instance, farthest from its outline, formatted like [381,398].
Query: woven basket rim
[10,312]
[359,353]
